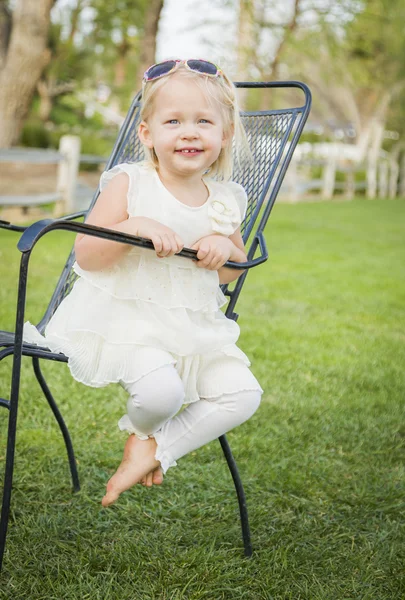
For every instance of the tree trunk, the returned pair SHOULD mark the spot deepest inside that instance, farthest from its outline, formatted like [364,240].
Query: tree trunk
[288,31]
[246,45]
[373,124]
[49,89]
[395,169]
[273,68]
[74,20]
[148,49]
[5,30]
[120,68]
[372,163]
[26,58]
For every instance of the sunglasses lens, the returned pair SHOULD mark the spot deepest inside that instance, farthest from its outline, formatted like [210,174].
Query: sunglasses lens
[202,66]
[159,70]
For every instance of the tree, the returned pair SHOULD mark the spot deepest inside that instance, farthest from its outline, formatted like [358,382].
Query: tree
[282,27]
[109,41]
[23,57]
[356,70]
[148,40]
[5,30]
[125,35]
[69,59]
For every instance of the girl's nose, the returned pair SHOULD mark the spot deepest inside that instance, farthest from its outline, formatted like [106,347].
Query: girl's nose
[189,132]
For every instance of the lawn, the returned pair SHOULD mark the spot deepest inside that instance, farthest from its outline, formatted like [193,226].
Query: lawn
[322,460]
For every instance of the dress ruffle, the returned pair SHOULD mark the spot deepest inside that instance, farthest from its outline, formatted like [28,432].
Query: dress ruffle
[173,282]
[131,169]
[97,362]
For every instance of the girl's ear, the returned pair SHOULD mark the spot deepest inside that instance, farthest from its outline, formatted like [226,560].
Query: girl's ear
[144,134]
[227,136]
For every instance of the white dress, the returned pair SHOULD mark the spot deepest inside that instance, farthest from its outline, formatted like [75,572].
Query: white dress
[125,321]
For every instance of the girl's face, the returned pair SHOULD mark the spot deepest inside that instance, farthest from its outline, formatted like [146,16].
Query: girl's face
[185,128]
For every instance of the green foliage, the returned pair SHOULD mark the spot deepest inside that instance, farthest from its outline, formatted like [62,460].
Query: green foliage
[92,46]
[68,118]
[35,135]
[322,460]
[375,41]
[118,28]
[93,143]
[375,44]
[69,110]
[98,143]
[351,63]
[70,61]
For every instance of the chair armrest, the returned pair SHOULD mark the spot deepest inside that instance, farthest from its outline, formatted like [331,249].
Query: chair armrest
[264,254]
[11,227]
[34,232]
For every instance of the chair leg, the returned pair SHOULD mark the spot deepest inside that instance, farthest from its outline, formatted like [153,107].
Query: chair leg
[240,493]
[8,473]
[61,423]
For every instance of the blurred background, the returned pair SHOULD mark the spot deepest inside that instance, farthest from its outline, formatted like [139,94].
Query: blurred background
[71,67]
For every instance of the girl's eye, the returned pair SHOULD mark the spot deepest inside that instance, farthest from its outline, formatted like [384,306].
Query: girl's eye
[173,121]
[204,121]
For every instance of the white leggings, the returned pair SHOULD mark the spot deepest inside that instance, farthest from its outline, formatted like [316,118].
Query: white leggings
[156,399]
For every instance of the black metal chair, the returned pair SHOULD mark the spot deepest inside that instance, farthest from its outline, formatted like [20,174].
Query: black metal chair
[273,135]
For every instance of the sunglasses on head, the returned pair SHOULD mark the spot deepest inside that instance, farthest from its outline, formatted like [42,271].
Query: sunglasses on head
[203,67]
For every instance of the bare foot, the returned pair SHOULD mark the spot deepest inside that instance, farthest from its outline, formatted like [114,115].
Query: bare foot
[137,462]
[153,478]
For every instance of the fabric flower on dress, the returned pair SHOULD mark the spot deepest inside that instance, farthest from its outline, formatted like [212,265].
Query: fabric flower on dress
[224,214]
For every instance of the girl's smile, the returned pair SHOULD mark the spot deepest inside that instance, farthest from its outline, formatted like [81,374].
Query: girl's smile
[189,151]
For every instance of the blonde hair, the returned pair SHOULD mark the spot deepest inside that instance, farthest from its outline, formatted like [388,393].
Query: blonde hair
[221,90]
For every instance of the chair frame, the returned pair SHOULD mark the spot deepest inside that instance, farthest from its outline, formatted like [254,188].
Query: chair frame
[13,343]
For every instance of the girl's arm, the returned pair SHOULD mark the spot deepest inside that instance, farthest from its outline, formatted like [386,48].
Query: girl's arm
[110,211]
[238,255]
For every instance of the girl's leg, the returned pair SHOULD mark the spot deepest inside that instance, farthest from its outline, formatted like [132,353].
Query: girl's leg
[198,424]
[202,422]
[229,393]
[153,400]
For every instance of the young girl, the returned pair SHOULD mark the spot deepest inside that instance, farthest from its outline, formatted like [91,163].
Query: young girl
[152,320]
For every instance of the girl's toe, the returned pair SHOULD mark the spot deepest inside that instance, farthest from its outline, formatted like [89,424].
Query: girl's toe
[158,476]
[109,498]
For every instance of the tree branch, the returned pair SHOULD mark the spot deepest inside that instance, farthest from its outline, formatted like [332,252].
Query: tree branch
[148,48]
[288,31]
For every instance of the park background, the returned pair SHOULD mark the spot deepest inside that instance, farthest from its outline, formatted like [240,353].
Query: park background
[323,320]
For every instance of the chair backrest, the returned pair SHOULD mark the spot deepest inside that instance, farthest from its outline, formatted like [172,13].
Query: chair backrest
[272,136]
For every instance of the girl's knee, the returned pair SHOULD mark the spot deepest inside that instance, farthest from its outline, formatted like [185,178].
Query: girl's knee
[248,401]
[160,393]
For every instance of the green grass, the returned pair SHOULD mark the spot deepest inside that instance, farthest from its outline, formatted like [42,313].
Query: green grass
[322,460]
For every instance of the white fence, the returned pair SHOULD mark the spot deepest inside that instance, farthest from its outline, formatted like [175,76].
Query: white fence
[384,178]
[387,178]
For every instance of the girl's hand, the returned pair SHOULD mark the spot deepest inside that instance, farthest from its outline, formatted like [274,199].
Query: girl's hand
[165,241]
[213,251]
